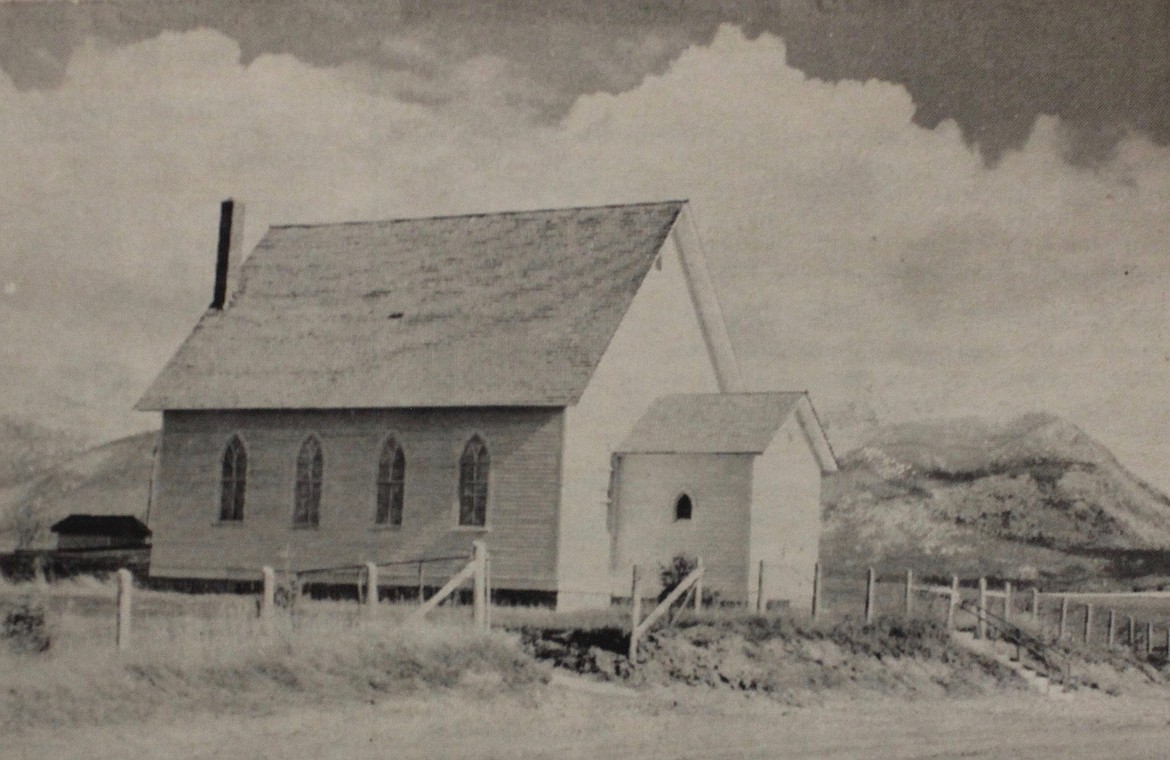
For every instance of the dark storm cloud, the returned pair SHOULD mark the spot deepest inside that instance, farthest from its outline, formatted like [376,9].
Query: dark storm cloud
[993,66]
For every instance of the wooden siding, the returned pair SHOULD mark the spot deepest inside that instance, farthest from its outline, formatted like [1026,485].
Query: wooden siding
[525,448]
[659,348]
[646,532]
[786,517]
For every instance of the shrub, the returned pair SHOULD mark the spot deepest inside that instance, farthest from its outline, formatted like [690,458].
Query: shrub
[25,628]
[674,573]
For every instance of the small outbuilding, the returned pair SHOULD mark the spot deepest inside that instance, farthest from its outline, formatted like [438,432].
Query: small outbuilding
[101,532]
[731,478]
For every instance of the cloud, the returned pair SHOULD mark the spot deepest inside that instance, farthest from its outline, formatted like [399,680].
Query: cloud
[880,264]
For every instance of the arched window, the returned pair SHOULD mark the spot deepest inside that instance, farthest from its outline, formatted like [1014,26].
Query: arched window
[233,480]
[391,484]
[310,464]
[683,507]
[473,483]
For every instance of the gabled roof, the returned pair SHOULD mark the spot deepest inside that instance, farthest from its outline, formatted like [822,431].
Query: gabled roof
[483,310]
[101,525]
[725,423]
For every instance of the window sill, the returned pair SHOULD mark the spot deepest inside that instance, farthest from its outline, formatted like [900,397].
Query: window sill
[304,527]
[472,528]
[227,523]
[384,528]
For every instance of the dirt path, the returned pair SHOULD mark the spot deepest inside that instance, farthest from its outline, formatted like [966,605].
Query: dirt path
[584,721]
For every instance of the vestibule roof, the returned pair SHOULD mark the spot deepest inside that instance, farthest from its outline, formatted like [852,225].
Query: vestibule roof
[505,309]
[725,423]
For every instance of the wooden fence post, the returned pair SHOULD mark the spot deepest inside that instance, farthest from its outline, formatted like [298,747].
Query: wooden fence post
[816,591]
[635,614]
[371,588]
[487,594]
[1007,601]
[1088,623]
[1112,625]
[699,584]
[125,584]
[1035,604]
[981,621]
[870,580]
[268,597]
[1063,618]
[479,556]
[760,589]
[909,593]
[1149,639]
[953,603]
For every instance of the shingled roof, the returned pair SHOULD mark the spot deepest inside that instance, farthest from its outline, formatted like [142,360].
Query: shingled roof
[483,310]
[724,423]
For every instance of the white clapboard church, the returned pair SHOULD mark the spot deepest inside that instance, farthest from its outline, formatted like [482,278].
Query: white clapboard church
[557,383]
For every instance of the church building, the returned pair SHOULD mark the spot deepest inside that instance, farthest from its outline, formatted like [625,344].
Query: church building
[393,390]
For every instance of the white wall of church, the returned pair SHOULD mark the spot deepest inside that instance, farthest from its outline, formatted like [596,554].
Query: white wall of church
[659,348]
[785,517]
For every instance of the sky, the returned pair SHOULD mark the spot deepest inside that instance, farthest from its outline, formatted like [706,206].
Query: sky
[911,208]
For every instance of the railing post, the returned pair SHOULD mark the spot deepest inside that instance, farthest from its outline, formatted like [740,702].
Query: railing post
[699,585]
[981,608]
[816,591]
[1149,639]
[371,588]
[479,556]
[1063,618]
[870,580]
[268,596]
[125,584]
[1088,623]
[1007,601]
[909,593]
[635,614]
[421,588]
[1035,604]
[1112,626]
[953,603]
[760,588]
[1132,641]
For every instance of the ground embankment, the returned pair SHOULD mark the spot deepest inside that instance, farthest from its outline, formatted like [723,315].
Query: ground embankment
[803,663]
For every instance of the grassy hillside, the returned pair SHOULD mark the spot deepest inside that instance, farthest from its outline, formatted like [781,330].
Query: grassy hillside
[1033,497]
[112,478]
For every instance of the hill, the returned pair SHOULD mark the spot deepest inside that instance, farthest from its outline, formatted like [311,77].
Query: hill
[1035,496]
[112,478]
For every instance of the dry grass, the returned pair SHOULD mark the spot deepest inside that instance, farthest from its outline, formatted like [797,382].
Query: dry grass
[211,654]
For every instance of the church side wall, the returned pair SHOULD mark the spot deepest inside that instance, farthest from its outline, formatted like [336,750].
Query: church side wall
[521,535]
[786,517]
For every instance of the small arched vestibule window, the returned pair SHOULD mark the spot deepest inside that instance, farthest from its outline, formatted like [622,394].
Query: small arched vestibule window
[683,507]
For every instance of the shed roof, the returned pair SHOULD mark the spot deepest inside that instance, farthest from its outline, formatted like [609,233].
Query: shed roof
[101,525]
[724,423]
[502,309]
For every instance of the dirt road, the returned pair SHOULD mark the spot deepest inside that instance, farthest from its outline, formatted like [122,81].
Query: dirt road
[580,720]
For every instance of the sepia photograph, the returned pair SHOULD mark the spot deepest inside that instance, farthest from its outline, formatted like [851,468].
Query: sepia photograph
[764,379]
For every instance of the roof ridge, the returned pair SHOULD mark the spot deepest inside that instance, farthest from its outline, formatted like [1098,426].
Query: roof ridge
[512,212]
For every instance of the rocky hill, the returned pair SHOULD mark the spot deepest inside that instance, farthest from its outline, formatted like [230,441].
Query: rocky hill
[112,478]
[1032,497]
